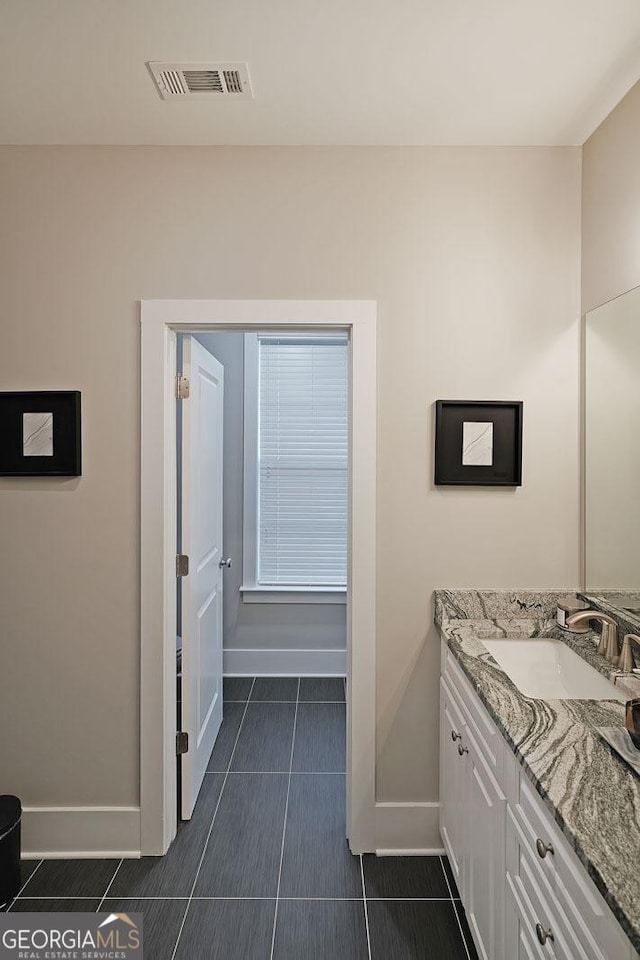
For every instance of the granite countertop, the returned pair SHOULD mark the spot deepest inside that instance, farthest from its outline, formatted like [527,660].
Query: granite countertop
[592,794]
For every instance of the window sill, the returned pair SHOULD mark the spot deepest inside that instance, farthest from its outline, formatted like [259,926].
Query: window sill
[293,594]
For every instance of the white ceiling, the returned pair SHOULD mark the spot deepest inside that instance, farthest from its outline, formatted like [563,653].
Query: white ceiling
[323,71]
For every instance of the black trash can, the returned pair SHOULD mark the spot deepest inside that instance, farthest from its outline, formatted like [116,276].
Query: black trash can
[10,816]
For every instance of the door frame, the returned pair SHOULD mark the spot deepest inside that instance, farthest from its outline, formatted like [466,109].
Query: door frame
[160,321]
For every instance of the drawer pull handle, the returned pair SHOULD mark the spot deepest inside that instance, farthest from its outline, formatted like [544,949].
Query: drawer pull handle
[455,736]
[543,935]
[543,848]
[462,750]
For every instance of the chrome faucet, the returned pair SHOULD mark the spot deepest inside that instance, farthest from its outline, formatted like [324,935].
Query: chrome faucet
[608,645]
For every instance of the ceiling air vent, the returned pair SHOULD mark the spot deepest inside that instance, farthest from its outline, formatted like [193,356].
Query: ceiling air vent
[202,81]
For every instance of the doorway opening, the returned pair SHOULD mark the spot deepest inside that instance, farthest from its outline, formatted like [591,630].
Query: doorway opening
[262,529]
[161,322]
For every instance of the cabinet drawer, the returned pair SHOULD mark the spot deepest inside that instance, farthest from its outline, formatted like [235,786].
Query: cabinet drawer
[526,909]
[578,903]
[541,898]
[483,729]
[524,945]
[537,830]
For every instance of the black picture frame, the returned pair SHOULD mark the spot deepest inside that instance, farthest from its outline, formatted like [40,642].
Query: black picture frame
[56,452]
[505,417]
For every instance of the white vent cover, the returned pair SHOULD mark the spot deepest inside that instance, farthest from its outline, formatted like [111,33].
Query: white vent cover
[202,81]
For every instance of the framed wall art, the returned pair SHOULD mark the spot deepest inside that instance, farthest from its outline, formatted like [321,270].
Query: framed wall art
[40,434]
[478,443]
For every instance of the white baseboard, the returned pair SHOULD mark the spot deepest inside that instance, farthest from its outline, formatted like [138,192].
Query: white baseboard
[283,663]
[80,832]
[402,829]
[408,829]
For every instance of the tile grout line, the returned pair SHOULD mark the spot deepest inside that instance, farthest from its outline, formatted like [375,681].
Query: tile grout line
[455,909]
[294,773]
[83,897]
[206,843]
[407,899]
[109,886]
[284,825]
[13,900]
[186,897]
[285,701]
[366,910]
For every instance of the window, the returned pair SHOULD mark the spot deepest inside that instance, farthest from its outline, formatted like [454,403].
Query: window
[296,460]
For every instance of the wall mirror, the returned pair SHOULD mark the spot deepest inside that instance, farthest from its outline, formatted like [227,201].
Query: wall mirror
[612,447]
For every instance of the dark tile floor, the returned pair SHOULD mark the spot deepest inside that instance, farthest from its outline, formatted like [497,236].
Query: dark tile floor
[263,870]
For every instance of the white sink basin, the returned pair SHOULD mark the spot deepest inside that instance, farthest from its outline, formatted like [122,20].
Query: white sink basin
[547,669]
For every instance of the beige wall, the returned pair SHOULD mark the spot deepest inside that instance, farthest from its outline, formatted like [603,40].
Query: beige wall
[611,205]
[473,257]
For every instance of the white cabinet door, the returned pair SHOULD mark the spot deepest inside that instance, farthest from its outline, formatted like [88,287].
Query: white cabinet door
[202,587]
[453,787]
[485,880]
[472,811]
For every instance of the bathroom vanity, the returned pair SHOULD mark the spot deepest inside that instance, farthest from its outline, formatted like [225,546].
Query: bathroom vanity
[539,818]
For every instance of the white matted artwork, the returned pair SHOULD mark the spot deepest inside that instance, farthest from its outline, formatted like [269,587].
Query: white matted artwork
[37,434]
[477,443]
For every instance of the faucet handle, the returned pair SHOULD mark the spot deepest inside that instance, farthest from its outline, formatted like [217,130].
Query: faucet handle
[626,663]
[610,636]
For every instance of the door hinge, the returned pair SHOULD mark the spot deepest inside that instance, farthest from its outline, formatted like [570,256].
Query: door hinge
[182,743]
[182,565]
[182,388]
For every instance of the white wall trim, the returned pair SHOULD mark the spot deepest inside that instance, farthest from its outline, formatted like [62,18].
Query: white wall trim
[408,829]
[250,462]
[80,832]
[282,663]
[160,319]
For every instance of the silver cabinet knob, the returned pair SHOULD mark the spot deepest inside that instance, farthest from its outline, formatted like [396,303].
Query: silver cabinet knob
[226,563]
[462,750]
[543,935]
[543,848]
[455,736]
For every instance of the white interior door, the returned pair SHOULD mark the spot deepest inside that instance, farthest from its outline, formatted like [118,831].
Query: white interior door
[202,542]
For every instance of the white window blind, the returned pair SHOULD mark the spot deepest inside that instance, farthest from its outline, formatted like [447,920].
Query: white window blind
[302,461]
